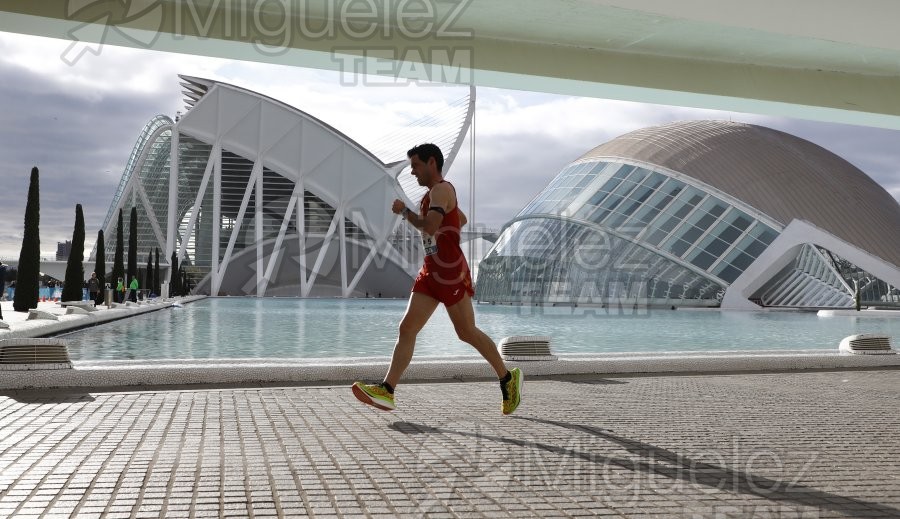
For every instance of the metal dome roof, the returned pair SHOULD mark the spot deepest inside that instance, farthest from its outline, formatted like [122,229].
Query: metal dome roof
[781,175]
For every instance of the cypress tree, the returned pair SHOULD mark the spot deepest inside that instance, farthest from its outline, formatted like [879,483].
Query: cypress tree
[174,278]
[132,245]
[157,285]
[148,282]
[118,261]
[29,271]
[100,263]
[74,280]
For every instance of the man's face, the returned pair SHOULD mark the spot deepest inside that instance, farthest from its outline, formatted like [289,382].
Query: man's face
[421,170]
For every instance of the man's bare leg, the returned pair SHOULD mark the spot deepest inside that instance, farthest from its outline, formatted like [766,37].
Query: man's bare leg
[418,311]
[463,316]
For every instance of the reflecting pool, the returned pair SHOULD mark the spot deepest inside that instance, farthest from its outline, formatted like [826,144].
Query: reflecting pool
[315,328]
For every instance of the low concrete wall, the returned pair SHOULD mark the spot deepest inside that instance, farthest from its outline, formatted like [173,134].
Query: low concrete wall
[109,374]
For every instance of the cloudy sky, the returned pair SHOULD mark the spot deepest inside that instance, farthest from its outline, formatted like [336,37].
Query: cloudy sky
[78,124]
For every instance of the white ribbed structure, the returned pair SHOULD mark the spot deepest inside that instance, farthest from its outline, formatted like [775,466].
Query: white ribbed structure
[30,354]
[867,344]
[808,282]
[256,197]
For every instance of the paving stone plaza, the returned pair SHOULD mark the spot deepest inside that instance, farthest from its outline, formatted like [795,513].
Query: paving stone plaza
[785,445]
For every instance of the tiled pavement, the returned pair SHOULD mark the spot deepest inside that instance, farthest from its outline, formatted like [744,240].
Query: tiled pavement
[787,445]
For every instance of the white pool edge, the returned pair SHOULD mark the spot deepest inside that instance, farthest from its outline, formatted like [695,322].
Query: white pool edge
[25,329]
[177,372]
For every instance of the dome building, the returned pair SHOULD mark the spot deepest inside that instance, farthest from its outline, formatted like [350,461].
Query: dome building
[702,213]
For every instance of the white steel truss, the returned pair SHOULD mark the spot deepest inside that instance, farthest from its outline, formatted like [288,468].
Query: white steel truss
[331,179]
[255,197]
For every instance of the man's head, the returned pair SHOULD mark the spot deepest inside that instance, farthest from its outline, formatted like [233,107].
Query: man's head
[427,163]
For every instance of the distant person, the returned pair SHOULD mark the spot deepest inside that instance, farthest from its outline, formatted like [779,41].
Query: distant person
[120,291]
[444,278]
[133,290]
[2,286]
[93,286]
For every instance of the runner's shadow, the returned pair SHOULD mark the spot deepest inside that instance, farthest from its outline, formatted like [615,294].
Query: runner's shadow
[43,397]
[582,379]
[663,462]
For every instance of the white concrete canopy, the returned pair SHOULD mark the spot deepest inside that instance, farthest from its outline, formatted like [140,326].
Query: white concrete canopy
[785,248]
[818,59]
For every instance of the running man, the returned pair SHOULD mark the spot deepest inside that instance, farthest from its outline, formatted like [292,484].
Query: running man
[444,278]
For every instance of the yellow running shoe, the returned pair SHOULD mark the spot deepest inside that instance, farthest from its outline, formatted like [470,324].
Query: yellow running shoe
[376,395]
[512,391]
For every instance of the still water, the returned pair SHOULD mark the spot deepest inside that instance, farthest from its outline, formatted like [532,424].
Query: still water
[314,328]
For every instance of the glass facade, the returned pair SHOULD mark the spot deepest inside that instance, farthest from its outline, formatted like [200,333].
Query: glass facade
[603,230]
[872,290]
[149,160]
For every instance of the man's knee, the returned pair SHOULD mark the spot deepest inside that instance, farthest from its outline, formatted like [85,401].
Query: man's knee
[467,334]
[409,327]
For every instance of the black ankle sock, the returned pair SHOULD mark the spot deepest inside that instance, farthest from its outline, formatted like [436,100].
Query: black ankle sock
[507,378]
[389,387]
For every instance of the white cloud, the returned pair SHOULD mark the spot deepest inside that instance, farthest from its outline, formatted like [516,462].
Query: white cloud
[115,69]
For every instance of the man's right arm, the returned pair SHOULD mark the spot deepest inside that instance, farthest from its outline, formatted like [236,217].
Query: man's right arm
[407,214]
[415,220]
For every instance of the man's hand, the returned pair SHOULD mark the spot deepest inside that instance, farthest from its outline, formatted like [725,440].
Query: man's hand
[399,207]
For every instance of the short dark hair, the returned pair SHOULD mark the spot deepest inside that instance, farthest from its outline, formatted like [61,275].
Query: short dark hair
[427,151]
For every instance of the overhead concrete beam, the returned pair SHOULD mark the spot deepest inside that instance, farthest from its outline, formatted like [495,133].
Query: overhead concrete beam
[213,28]
[867,23]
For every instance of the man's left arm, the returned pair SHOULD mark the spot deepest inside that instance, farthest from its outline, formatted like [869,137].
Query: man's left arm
[441,198]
